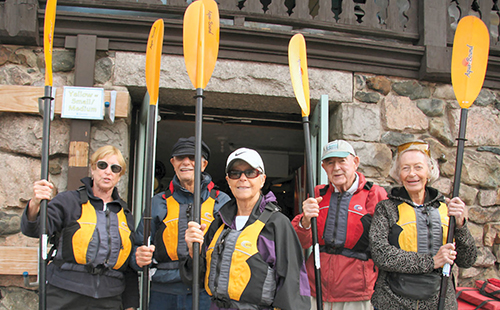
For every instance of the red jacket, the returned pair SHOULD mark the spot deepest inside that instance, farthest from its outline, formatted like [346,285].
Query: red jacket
[343,279]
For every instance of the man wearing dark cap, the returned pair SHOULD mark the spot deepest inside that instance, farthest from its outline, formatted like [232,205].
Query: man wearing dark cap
[171,211]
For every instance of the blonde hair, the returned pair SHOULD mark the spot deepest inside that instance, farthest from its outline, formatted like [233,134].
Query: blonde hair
[431,163]
[108,150]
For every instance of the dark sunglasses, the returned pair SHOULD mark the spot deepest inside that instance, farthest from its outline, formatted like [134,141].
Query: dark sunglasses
[250,173]
[101,164]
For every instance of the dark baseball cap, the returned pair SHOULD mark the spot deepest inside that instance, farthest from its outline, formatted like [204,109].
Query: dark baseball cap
[185,146]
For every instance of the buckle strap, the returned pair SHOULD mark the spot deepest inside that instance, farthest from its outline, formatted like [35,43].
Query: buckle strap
[346,252]
[167,265]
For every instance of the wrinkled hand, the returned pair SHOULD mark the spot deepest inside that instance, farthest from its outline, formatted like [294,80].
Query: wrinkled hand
[310,209]
[42,189]
[194,233]
[457,208]
[446,254]
[144,255]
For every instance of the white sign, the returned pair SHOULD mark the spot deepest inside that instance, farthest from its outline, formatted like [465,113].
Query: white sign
[83,103]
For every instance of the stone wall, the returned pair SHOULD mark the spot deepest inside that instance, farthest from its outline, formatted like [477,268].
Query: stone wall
[375,113]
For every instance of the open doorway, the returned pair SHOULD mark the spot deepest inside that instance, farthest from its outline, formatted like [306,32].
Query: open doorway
[280,143]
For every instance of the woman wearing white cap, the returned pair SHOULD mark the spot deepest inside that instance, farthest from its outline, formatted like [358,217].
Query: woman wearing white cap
[252,258]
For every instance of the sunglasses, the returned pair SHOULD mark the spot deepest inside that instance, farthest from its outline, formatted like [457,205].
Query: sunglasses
[101,164]
[250,174]
[421,146]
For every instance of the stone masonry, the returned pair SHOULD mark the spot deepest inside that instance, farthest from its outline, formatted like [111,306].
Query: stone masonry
[375,113]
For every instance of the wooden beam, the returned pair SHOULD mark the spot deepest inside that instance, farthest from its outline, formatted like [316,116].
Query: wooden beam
[16,260]
[24,99]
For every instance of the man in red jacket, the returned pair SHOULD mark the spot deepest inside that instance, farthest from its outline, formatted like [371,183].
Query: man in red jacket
[344,209]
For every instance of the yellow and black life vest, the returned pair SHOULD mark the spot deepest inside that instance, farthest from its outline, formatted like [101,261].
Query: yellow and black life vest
[237,276]
[420,229]
[169,247]
[98,240]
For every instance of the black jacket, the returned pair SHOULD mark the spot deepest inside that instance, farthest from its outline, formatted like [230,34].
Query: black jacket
[64,210]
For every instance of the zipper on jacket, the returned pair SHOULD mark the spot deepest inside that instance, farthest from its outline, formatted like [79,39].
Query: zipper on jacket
[220,248]
[429,231]
[188,212]
[108,224]
[336,219]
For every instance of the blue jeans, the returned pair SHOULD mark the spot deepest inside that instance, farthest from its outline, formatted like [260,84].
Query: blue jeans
[163,301]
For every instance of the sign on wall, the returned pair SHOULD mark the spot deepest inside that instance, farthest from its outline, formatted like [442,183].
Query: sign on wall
[83,103]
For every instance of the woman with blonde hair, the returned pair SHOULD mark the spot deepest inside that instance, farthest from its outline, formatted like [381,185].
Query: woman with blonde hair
[93,232]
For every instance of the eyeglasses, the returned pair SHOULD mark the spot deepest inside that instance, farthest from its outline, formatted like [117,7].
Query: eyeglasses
[250,173]
[418,145]
[101,164]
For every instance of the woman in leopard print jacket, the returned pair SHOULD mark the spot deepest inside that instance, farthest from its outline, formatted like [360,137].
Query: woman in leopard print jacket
[408,236]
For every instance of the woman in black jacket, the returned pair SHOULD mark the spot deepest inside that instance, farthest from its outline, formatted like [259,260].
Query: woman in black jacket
[92,229]
[408,236]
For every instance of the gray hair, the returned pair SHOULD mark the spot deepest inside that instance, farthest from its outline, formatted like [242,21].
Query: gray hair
[431,164]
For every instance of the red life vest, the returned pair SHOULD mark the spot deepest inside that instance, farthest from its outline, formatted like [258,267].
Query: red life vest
[345,226]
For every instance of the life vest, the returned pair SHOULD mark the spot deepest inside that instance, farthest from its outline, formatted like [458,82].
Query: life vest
[97,242]
[347,224]
[169,247]
[237,276]
[422,230]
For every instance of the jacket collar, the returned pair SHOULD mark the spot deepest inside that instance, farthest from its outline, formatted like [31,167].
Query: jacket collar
[89,183]
[359,184]
[182,195]
[432,196]
[229,210]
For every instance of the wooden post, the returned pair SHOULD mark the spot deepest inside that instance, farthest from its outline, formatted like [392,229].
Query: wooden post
[433,35]
[86,47]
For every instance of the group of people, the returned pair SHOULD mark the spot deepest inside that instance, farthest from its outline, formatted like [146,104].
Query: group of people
[377,250]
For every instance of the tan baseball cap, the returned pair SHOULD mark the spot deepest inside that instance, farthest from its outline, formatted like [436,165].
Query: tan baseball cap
[337,148]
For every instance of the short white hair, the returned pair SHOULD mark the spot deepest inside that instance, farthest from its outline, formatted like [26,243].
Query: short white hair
[431,163]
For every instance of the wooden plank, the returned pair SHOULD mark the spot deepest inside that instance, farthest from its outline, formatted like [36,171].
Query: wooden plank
[24,99]
[16,260]
[78,154]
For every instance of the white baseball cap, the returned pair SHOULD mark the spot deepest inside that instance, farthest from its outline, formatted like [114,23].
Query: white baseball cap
[250,156]
[337,148]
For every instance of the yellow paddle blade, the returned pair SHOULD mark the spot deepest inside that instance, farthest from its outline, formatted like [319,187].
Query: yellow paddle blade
[153,60]
[469,59]
[297,61]
[48,38]
[201,40]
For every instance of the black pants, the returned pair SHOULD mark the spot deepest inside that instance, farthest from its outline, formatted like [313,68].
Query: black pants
[58,299]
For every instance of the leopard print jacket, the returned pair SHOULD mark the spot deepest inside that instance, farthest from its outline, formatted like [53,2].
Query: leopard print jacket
[389,258]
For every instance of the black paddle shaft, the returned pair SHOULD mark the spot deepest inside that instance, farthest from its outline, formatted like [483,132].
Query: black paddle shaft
[456,189]
[197,195]
[314,225]
[42,261]
[148,192]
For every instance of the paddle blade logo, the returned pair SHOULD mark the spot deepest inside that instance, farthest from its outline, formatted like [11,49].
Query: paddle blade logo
[469,59]
[153,60]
